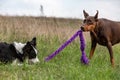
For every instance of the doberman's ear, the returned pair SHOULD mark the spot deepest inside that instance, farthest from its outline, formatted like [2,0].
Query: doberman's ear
[96,16]
[85,14]
[33,42]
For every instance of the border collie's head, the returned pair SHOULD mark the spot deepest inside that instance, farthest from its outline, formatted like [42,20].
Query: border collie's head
[28,50]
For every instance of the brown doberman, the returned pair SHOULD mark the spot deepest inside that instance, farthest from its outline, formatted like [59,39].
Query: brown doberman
[102,31]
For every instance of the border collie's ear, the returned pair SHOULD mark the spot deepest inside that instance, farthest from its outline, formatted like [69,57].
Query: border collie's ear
[28,44]
[85,14]
[33,42]
[27,48]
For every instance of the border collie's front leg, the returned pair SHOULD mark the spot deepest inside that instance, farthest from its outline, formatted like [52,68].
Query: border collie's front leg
[93,46]
[109,46]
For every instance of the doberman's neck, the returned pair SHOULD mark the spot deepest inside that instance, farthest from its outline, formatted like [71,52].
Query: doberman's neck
[94,32]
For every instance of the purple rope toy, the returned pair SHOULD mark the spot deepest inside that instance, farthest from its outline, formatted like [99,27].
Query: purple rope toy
[84,59]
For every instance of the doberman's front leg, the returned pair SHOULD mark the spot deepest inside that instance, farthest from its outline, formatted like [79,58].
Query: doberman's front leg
[109,46]
[93,46]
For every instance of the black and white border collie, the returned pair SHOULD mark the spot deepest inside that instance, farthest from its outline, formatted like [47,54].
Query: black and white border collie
[14,52]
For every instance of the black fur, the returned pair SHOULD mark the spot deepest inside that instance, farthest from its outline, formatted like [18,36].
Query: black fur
[8,53]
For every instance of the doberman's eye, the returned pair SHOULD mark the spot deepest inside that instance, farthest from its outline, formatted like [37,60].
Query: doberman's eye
[84,21]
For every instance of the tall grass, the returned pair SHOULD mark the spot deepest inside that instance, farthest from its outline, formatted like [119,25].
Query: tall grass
[51,33]
[27,27]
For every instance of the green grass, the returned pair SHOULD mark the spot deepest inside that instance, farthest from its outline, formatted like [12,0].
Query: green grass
[66,65]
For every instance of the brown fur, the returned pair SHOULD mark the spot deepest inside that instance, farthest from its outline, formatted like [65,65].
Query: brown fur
[102,31]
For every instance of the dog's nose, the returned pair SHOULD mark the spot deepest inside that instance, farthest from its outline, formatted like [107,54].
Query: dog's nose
[82,28]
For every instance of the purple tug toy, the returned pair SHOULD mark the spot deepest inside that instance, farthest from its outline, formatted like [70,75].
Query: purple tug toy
[84,59]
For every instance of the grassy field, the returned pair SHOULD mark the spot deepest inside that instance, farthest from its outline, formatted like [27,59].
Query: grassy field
[51,33]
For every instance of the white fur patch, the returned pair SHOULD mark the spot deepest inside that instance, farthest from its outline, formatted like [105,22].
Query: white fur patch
[35,60]
[35,50]
[16,62]
[19,46]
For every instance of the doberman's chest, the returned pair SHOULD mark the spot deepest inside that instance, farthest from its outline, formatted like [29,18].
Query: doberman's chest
[100,38]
